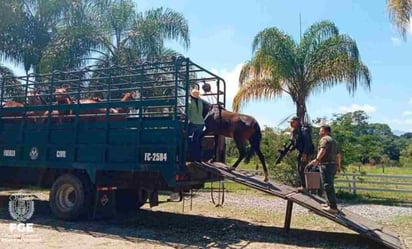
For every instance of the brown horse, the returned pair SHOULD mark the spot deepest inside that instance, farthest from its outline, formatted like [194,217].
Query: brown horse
[11,115]
[238,126]
[34,98]
[62,97]
[122,112]
[126,97]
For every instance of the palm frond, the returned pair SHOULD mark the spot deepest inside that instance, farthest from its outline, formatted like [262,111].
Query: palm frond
[261,66]
[313,36]
[337,60]
[264,89]
[400,14]
[169,24]
[281,48]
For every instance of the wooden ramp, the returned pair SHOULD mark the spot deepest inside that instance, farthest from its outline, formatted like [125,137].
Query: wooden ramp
[363,226]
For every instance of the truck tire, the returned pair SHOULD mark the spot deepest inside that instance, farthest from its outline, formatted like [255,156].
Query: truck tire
[70,197]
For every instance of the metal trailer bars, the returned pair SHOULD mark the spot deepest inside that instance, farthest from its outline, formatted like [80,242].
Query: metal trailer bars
[158,88]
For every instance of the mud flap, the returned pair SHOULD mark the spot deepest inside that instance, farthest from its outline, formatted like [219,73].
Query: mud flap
[104,204]
[153,198]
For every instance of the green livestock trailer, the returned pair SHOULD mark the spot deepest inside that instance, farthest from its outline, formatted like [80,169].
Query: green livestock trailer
[104,138]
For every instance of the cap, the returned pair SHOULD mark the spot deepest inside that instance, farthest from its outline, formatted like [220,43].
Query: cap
[294,118]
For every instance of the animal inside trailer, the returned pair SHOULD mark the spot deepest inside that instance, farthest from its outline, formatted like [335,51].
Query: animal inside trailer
[104,139]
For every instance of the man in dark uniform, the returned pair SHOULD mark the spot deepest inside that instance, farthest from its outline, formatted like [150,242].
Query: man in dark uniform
[302,141]
[328,160]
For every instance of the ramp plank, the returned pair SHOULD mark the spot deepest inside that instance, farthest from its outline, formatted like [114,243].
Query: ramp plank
[355,222]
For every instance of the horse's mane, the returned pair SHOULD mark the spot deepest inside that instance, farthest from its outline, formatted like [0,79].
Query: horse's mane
[219,106]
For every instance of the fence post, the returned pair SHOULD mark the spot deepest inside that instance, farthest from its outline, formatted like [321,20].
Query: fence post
[354,184]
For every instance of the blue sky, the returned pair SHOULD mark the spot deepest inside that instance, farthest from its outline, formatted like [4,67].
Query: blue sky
[222,32]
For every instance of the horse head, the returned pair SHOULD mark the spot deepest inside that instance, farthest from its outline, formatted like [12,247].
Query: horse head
[34,98]
[213,114]
[130,96]
[61,95]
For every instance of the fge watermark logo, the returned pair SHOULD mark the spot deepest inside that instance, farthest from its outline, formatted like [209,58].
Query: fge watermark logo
[21,209]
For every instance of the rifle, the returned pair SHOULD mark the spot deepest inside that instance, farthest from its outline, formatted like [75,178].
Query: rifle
[283,152]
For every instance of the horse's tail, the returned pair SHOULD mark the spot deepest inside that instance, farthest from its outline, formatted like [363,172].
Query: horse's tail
[254,141]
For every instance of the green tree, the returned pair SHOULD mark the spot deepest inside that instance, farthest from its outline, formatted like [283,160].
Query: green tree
[391,144]
[127,36]
[29,27]
[364,142]
[343,131]
[12,87]
[321,60]
[73,40]
[47,35]
[406,156]
[407,135]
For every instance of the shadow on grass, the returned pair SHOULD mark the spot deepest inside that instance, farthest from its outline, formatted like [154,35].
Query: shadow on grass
[184,230]
[372,199]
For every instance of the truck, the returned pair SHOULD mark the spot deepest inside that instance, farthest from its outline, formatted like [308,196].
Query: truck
[105,139]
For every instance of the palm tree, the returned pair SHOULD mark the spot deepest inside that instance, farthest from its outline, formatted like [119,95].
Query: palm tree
[47,35]
[74,38]
[31,28]
[11,86]
[400,14]
[321,60]
[128,37]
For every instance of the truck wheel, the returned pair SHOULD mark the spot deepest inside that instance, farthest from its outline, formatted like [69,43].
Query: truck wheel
[70,197]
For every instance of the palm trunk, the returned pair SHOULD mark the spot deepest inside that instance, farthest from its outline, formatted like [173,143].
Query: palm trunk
[301,110]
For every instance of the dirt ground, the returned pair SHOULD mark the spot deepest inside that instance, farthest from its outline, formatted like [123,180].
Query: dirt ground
[247,220]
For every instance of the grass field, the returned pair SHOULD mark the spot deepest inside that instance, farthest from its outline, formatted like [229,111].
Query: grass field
[379,169]
[384,197]
[379,196]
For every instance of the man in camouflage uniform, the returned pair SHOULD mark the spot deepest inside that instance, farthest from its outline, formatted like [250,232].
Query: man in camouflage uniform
[302,141]
[328,160]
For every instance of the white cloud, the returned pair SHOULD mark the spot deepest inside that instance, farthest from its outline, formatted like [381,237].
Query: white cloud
[355,107]
[231,78]
[407,113]
[397,121]
[396,41]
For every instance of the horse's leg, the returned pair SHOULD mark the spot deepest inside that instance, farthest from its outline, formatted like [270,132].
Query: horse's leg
[242,150]
[262,160]
[255,145]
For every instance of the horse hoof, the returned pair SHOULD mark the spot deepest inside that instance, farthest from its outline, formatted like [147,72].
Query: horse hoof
[266,180]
